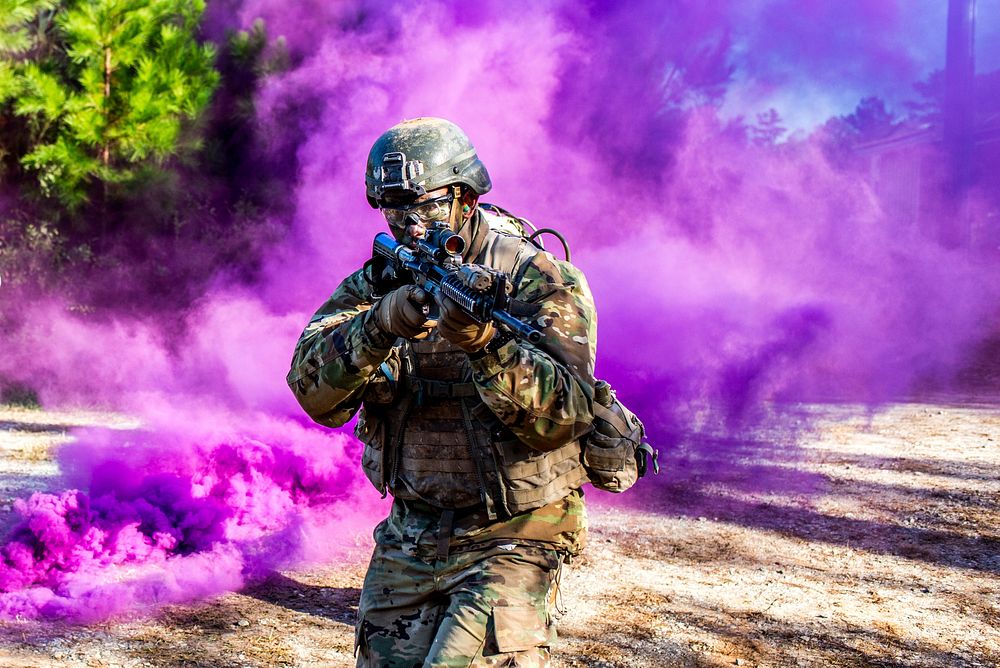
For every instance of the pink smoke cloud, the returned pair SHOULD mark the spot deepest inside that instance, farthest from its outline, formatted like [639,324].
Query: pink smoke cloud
[728,276]
[194,505]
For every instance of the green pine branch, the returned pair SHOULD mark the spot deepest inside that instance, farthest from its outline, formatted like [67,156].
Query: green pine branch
[114,97]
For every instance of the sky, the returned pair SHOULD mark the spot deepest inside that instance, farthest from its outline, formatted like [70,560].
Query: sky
[807,97]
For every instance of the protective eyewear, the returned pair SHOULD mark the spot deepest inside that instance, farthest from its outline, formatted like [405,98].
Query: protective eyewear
[428,211]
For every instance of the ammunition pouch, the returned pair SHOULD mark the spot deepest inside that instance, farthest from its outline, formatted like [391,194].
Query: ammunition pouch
[615,452]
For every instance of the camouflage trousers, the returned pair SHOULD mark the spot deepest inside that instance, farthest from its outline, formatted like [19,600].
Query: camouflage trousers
[423,604]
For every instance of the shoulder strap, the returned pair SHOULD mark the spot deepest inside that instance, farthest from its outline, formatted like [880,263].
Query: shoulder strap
[508,253]
[613,418]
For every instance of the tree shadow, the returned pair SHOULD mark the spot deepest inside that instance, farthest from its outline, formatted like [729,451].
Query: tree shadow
[973,471]
[16,479]
[761,484]
[716,636]
[339,604]
[36,427]
[15,486]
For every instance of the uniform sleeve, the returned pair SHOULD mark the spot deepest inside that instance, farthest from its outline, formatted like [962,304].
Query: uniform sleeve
[337,355]
[544,393]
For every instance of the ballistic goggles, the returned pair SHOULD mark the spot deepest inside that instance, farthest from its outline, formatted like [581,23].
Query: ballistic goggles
[428,211]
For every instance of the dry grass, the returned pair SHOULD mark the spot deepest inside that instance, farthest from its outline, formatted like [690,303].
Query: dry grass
[875,542]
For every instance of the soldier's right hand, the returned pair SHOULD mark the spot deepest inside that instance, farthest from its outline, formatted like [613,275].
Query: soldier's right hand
[404,312]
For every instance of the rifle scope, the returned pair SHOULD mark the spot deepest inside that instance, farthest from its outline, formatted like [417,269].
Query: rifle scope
[446,240]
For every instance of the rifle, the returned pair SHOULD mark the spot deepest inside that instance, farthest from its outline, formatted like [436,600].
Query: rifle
[436,264]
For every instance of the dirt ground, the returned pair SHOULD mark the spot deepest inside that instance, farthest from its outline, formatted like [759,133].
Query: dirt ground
[873,541]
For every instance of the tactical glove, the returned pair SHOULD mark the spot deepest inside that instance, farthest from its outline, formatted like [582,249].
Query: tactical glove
[457,327]
[403,312]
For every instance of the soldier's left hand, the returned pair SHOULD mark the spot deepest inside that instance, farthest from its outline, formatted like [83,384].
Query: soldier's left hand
[457,327]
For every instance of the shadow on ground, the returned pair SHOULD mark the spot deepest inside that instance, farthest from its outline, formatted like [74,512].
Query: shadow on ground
[752,638]
[765,484]
[337,603]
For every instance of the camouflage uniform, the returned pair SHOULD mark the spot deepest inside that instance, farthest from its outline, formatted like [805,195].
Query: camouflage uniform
[488,602]
[480,453]
[455,586]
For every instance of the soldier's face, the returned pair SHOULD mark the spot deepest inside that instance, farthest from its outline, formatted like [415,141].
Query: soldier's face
[409,220]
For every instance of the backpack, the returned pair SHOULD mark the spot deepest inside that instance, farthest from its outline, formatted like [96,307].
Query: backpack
[615,451]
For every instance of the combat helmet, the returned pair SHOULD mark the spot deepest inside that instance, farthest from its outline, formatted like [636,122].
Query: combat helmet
[421,155]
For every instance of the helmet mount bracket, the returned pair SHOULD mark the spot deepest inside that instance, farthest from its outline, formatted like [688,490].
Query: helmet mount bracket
[420,155]
[397,173]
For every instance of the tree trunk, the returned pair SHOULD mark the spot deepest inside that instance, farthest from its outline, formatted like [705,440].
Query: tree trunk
[106,151]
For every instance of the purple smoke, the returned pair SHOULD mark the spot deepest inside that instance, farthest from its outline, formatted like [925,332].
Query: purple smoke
[191,506]
[731,276]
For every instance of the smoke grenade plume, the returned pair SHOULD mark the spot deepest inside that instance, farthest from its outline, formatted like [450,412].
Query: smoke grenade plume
[151,531]
[736,266]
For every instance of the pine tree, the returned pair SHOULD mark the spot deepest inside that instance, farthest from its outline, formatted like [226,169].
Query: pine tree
[769,129]
[132,76]
[25,27]
[22,25]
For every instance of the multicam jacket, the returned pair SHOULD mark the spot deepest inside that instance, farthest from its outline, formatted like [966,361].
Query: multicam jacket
[501,430]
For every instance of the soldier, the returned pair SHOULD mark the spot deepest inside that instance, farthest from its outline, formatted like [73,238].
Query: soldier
[474,433]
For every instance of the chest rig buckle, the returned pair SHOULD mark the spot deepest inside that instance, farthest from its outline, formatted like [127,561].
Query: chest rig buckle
[426,388]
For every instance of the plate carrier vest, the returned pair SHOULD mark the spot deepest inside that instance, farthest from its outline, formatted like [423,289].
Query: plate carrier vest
[428,435]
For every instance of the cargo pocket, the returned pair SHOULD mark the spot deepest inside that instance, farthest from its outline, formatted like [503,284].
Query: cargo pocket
[523,468]
[360,641]
[519,628]
[610,462]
